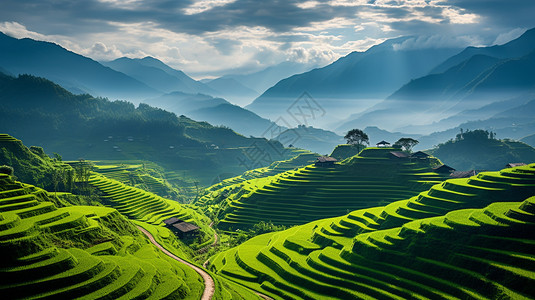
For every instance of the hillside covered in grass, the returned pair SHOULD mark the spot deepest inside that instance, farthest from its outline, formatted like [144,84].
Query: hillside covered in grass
[33,166]
[374,177]
[140,205]
[480,150]
[42,113]
[80,251]
[469,238]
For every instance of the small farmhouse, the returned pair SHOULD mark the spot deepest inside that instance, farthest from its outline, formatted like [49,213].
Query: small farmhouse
[398,154]
[443,169]
[183,230]
[325,161]
[512,165]
[383,144]
[420,155]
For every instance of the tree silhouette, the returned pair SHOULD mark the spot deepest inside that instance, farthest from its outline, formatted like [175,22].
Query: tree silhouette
[406,143]
[357,137]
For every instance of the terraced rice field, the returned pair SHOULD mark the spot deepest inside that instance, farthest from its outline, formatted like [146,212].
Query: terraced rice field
[310,193]
[70,252]
[469,238]
[302,158]
[147,207]
[130,175]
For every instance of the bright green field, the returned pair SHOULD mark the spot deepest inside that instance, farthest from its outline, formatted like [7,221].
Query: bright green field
[147,207]
[469,238]
[310,193]
[80,252]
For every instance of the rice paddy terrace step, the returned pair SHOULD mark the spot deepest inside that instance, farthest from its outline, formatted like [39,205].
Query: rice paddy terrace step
[412,257]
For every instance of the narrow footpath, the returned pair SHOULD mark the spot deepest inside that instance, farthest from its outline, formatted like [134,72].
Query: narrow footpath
[208,281]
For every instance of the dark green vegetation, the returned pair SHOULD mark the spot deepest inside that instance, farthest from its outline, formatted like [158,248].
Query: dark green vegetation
[372,178]
[469,238]
[216,111]
[80,126]
[33,166]
[479,150]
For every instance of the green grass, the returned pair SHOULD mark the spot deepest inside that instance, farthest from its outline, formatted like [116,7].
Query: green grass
[80,252]
[310,193]
[457,240]
[144,206]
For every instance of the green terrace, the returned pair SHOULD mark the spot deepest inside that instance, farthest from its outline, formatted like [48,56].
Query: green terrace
[301,158]
[134,175]
[147,207]
[80,252]
[470,238]
[309,193]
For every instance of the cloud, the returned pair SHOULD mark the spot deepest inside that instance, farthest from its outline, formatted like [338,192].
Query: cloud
[19,31]
[503,38]
[100,51]
[204,5]
[313,56]
[437,41]
[206,37]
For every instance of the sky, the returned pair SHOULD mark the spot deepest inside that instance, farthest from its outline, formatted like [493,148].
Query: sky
[210,38]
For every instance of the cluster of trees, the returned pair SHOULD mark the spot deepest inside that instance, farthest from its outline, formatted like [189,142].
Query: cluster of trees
[475,135]
[33,166]
[360,138]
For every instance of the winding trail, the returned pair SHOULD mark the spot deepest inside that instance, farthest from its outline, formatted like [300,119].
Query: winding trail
[216,239]
[209,286]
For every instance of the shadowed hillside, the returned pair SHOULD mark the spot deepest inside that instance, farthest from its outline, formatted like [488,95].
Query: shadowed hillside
[80,126]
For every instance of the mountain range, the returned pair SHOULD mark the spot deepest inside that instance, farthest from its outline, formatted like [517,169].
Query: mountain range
[75,72]
[464,87]
[354,82]
[415,91]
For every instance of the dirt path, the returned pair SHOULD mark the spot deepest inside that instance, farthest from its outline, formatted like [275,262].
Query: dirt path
[208,281]
[216,239]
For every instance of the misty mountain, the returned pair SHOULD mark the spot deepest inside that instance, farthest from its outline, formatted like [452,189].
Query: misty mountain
[458,93]
[158,75]
[513,123]
[81,126]
[356,78]
[75,72]
[241,120]
[518,47]
[377,134]
[233,90]
[216,111]
[310,138]
[530,140]
[262,80]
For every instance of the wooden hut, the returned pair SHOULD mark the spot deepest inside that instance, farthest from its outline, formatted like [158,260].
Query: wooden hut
[420,155]
[399,154]
[463,174]
[383,144]
[325,161]
[443,169]
[172,221]
[512,165]
[183,230]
